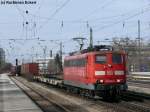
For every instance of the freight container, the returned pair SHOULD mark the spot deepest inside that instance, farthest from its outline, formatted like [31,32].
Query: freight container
[29,70]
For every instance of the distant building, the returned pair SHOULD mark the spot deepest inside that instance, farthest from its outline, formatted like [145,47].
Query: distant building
[2,56]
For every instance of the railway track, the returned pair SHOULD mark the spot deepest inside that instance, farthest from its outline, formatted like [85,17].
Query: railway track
[130,103]
[50,101]
[139,84]
[45,104]
[83,104]
[140,100]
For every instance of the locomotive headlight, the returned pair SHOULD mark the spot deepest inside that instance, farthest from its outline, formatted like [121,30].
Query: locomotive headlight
[118,80]
[119,72]
[101,81]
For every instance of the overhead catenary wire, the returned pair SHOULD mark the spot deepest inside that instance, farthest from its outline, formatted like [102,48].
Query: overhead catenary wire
[53,14]
[127,18]
[82,21]
[95,10]
[70,21]
[40,6]
[20,12]
[97,28]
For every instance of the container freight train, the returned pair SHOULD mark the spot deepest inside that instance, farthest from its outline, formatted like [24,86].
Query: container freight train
[29,70]
[95,72]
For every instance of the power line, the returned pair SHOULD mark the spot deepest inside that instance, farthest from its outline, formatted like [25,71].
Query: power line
[56,11]
[40,6]
[95,10]
[114,16]
[81,21]
[127,18]
[19,39]
[120,21]
[20,12]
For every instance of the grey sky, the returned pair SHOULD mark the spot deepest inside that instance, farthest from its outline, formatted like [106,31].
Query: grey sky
[106,17]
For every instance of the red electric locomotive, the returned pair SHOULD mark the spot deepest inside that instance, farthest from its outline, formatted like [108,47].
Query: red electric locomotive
[99,72]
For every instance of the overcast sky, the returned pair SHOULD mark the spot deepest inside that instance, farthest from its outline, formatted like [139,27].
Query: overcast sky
[65,19]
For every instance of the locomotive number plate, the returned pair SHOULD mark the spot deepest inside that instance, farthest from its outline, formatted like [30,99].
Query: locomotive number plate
[110,72]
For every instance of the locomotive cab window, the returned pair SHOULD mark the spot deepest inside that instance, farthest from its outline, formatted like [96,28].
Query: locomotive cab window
[117,58]
[101,59]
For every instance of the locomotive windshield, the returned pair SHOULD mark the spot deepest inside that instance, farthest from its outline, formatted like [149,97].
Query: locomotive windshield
[101,59]
[117,58]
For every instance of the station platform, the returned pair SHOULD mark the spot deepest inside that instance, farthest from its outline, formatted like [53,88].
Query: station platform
[12,99]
